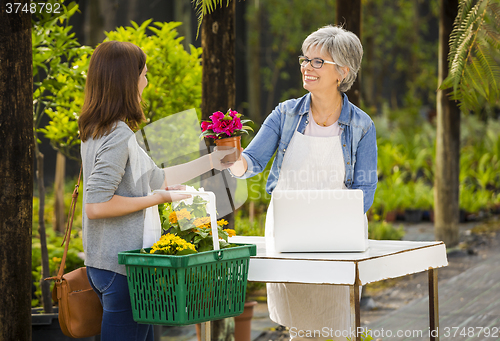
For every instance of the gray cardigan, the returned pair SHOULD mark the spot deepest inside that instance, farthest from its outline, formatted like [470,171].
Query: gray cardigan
[107,170]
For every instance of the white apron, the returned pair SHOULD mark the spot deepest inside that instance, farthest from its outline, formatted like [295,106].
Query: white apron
[309,163]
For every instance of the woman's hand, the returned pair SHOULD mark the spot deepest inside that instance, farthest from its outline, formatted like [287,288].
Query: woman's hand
[240,166]
[170,197]
[216,158]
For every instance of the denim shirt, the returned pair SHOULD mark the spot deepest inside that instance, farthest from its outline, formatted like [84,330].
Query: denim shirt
[358,138]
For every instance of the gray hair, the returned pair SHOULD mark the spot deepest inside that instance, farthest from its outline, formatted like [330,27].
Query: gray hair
[343,46]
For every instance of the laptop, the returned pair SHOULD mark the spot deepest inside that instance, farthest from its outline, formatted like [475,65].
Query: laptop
[319,221]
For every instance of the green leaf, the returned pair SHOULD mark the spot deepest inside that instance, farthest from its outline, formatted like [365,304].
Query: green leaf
[474,71]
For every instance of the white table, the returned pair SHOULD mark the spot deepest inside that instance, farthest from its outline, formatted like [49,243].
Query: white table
[382,260]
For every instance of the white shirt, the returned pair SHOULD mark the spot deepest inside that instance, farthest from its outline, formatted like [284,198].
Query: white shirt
[314,129]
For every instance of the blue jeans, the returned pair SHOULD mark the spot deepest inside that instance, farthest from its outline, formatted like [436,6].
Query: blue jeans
[117,321]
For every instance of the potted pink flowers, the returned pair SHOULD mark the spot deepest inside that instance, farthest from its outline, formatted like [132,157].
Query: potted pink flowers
[226,130]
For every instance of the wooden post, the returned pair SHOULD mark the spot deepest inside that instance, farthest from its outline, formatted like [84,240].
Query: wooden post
[16,169]
[433,305]
[355,307]
[446,208]
[349,16]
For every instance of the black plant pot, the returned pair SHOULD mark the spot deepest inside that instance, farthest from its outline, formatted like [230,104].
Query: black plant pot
[45,327]
[463,216]
[413,216]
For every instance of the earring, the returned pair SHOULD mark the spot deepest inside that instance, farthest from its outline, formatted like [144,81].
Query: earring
[338,82]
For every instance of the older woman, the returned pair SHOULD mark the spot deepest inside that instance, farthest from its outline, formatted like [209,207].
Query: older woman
[322,141]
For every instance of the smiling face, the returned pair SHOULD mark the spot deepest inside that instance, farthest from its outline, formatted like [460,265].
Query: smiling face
[319,80]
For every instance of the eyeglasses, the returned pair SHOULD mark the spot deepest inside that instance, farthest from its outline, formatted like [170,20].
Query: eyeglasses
[316,63]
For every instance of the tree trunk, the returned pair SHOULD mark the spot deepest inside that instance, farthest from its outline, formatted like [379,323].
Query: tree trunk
[16,169]
[349,15]
[94,23]
[217,41]
[218,94]
[60,216]
[446,183]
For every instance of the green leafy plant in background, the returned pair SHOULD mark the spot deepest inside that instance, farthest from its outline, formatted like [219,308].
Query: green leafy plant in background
[244,227]
[474,59]
[405,165]
[390,195]
[174,74]
[382,230]
[59,69]
[399,50]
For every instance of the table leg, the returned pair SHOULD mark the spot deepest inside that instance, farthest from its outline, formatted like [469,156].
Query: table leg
[433,305]
[355,311]
[205,331]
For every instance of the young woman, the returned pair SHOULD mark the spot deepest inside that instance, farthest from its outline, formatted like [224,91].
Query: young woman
[117,177]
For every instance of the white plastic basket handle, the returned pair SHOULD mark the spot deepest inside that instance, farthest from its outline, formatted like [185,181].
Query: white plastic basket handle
[211,210]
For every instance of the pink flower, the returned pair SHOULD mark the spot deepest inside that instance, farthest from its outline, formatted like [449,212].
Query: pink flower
[217,119]
[237,123]
[206,126]
[216,116]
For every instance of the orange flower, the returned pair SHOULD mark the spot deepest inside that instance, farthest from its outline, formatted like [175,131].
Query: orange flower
[172,218]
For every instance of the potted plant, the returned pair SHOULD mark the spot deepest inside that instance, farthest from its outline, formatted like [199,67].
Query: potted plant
[420,198]
[389,196]
[226,130]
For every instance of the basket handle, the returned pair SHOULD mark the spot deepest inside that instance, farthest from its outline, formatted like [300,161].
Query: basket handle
[211,210]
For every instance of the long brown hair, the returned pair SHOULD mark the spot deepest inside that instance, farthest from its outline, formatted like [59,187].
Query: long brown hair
[111,89]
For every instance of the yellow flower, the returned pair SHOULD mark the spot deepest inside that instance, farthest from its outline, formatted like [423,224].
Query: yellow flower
[170,244]
[230,232]
[172,218]
[222,222]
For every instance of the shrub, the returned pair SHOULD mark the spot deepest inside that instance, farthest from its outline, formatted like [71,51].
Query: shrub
[384,231]
[174,74]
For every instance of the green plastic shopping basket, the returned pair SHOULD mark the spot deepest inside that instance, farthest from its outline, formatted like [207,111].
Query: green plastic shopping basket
[181,290]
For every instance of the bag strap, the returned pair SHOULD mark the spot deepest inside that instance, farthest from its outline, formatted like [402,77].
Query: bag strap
[69,224]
